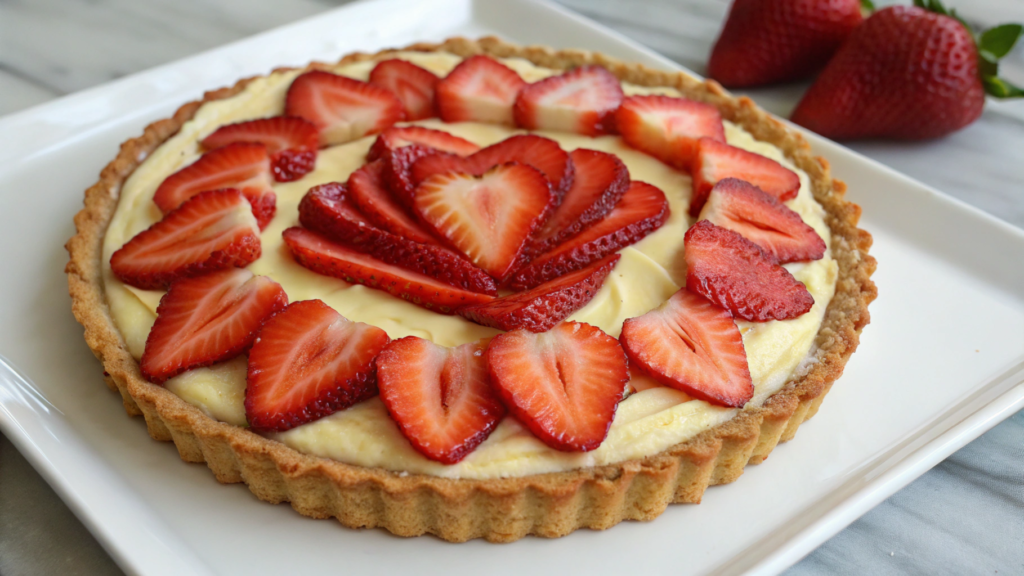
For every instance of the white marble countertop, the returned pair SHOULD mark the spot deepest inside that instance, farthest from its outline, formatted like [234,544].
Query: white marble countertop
[966,516]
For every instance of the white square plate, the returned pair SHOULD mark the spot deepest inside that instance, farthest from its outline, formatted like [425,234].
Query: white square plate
[940,363]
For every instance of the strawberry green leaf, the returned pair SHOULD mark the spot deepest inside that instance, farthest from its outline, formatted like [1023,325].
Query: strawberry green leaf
[999,41]
[988,63]
[932,6]
[937,7]
[867,5]
[1001,88]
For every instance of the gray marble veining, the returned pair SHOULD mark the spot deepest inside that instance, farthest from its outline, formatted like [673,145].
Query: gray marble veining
[966,516]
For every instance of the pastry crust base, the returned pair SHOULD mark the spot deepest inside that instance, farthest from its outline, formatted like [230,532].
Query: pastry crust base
[499,510]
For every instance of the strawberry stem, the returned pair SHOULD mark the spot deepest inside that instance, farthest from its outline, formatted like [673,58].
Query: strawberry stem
[993,44]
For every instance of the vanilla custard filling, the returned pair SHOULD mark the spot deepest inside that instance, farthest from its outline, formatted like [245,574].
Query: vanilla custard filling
[647,422]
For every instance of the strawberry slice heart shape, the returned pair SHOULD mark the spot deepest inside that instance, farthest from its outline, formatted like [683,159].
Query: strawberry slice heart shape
[328,210]
[488,218]
[542,153]
[210,231]
[736,274]
[244,166]
[581,101]
[563,384]
[308,362]
[441,398]
[343,109]
[668,128]
[412,85]
[692,345]
[208,319]
[761,218]
[291,142]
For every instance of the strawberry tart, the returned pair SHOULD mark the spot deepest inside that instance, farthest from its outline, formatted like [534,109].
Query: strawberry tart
[471,289]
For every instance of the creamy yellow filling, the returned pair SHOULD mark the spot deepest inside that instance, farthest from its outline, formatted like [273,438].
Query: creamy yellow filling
[647,422]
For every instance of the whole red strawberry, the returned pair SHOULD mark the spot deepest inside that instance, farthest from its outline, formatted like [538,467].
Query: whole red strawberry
[767,41]
[907,73]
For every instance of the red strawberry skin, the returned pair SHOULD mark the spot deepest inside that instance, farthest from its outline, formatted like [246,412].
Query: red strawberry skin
[441,398]
[717,160]
[539,309]
[328,210]
[414,86]
[241,165]
[692,345]
[322,256]
[599,181]
[668,128]
[398,176]
[906,74]
[563,384]
[399,136]
[488,218]
[582,101]
[368,192]
[735,274]
[208,319]
[642,210]
[292,143]
[308,362]
[779,41]
[479,89]
[210,231]
[342,109]
[762,219]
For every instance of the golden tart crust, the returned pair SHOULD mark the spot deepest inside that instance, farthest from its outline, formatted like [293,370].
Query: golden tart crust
[506,509]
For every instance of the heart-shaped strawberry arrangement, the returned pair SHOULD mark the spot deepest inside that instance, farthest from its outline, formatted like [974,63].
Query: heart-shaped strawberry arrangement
[517,236]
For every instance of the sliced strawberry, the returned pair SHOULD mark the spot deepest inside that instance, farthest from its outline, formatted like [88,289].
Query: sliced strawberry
[737,275]
[563,384]
[692,345]
[322,256]
[599,181]
[542,153]
[291,141]
[717,160]
[400,136]
[366,187]
[342,108]
[541,308]
[414,86]
[441,398]
[760,218]
[208,319]
[479,89]
[642,210]
[308,362]
[668,128]
[398,177]
[488,218]
[580,101]
[210,231]
[242,165]
[328,210]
